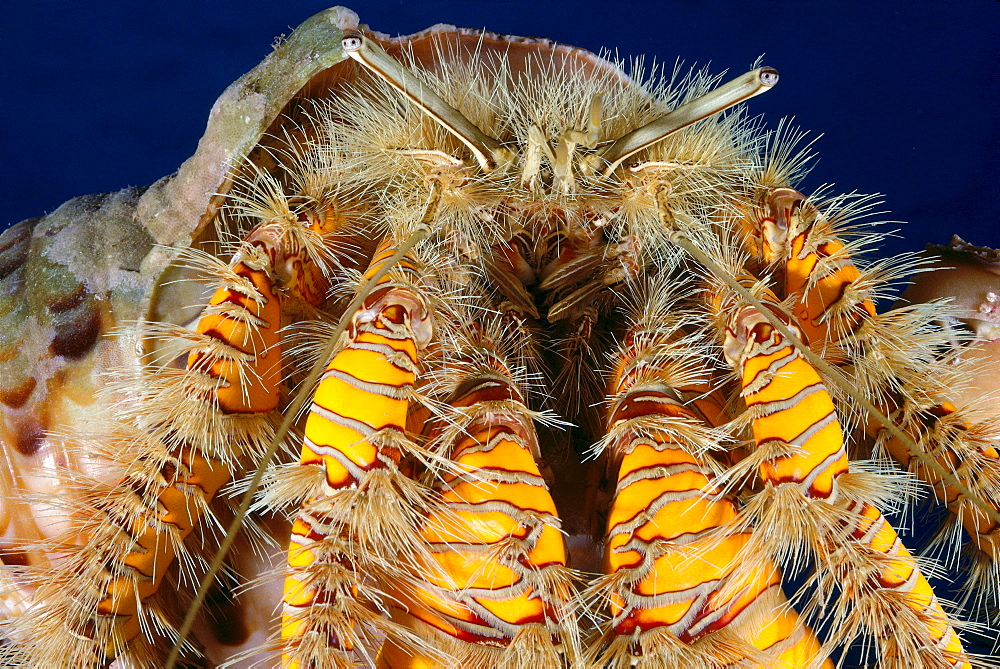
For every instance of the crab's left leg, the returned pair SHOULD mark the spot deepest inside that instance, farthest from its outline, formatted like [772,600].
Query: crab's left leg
[683,587]
[893,362]
[812,504]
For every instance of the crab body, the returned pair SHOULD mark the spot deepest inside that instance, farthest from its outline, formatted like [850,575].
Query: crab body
[513,359]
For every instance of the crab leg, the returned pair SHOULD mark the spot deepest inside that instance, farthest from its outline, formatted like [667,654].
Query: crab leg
[817,268]
[676,584]
[978,468]
[240,356]
[361,513]
[176,441]
[831,306]
[497,590]
[810,502]
[238,363]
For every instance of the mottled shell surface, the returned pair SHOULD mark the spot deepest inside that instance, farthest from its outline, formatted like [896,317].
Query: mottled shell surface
[76,285]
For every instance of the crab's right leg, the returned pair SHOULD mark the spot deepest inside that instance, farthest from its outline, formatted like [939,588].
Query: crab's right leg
[894,364]
[358,524]
[175,438]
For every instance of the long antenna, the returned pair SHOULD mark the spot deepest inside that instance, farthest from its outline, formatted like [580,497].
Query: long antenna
[488,151]
[736,91]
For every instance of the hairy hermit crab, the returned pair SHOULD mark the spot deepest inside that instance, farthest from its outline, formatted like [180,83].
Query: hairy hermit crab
[460,349]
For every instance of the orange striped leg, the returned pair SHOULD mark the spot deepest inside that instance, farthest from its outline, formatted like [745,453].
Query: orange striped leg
[802,460]
[679,584]
[498,589]
[676,585]
[234,375]
[176,434]
[358,519]
[976,465]
[240,327]
[829,307]
[817,268]
[927,637]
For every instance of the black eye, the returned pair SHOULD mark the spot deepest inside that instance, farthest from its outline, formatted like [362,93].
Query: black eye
[351,42]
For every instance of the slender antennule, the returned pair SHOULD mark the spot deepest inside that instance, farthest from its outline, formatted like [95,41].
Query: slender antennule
[728,95]
[488,151]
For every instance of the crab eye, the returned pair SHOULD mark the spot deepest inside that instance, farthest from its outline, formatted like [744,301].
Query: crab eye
[351,42]
[768,75]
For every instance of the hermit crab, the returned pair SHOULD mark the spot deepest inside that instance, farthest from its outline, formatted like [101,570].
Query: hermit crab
[460,349]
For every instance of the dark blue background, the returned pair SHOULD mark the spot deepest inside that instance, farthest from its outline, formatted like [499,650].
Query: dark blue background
[97,97]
